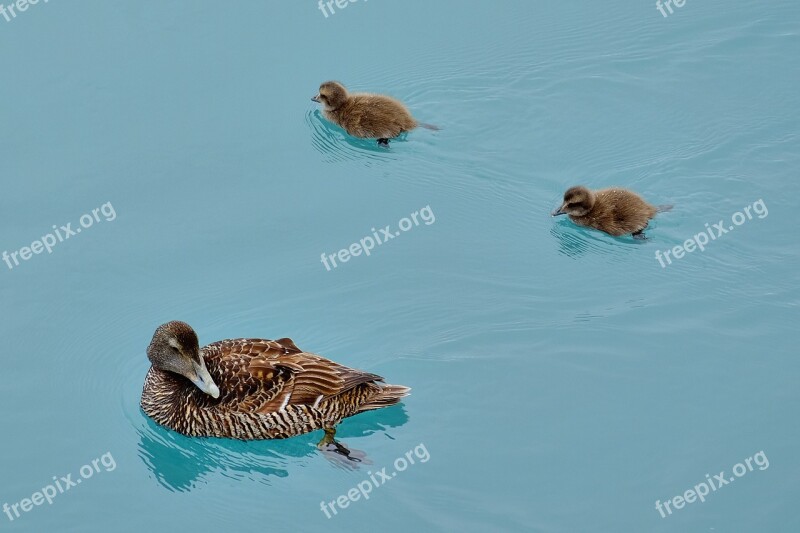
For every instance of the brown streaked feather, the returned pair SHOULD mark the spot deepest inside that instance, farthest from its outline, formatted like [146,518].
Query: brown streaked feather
[311,376]
[269,370]
[289,344]
[389,395]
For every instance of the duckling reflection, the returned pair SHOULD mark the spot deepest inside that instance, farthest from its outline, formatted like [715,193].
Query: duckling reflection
[570,243]
[336,145]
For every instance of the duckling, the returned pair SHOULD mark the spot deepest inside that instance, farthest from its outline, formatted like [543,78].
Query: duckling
[365,115]
[615,211]
[251,389]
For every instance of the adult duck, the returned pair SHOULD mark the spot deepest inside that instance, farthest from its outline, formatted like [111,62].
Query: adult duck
[252,389]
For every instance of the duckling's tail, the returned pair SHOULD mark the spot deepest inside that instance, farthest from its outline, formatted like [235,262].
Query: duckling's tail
[388,395]
[664,208]
[429,126]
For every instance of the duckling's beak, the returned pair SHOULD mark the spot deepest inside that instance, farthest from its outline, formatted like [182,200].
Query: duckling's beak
[559,211]
[204,381]
[315,98]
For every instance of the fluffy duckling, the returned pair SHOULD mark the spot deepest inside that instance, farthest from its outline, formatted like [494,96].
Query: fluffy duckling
[615,211]
[364,115]
[252,389]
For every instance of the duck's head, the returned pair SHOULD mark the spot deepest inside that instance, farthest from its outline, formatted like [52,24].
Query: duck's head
[175,348]
[578,201]
[332,95]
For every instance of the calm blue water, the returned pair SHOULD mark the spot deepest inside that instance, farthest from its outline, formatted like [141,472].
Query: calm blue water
[562,379]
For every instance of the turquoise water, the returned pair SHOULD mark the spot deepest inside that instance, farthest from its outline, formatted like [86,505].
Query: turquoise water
[562,379]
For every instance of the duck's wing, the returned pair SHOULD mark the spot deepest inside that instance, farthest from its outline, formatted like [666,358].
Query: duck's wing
[242,388]
[311,378]
[265,376]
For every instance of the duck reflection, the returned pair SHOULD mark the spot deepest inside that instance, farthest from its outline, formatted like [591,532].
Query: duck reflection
[181,463]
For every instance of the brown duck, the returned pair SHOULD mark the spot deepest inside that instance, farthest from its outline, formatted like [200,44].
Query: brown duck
[364,115]
[253,389]
[615,211]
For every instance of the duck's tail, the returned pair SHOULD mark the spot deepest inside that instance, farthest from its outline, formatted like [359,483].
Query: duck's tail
[664,208]
[388,395]
[429,126]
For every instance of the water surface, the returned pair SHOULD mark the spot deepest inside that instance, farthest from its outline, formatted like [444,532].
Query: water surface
[562,379]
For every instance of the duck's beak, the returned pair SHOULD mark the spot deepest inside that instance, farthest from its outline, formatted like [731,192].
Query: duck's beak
[315,98]
[559,211]
[204,381]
